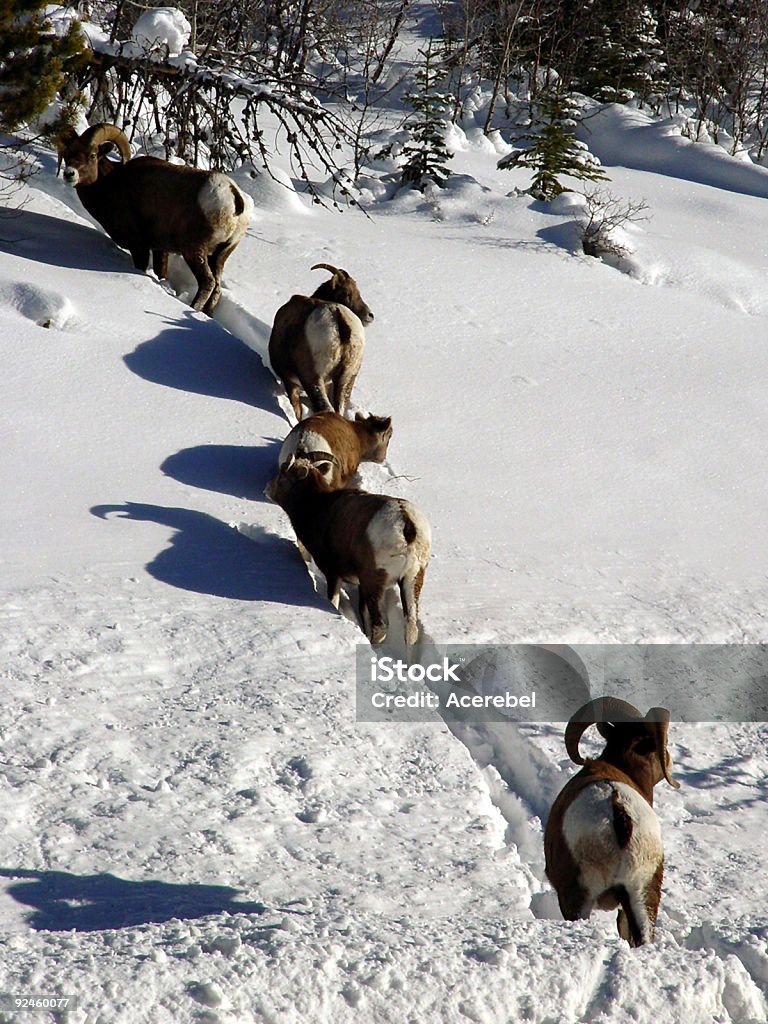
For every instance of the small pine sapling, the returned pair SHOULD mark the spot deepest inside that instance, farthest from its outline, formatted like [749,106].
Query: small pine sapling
[554,151]
[426,155]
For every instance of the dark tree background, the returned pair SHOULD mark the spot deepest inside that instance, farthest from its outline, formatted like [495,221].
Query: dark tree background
[322,70]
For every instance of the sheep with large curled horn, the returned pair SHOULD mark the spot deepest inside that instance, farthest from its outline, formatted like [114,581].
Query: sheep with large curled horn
[150,205]
[602,841]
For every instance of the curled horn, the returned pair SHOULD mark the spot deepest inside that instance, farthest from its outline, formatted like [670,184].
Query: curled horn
[597,712]
[658,718]
[325,266]
[98,134]
[314,457]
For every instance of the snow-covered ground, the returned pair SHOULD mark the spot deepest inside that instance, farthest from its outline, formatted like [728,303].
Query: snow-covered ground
[194,826]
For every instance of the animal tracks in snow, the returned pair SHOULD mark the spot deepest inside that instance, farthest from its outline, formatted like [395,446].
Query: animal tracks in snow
[44,307]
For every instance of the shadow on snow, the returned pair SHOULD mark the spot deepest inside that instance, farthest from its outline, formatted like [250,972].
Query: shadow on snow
[196,355]
[207,556]
[60,243]
[241,470]
[89,903]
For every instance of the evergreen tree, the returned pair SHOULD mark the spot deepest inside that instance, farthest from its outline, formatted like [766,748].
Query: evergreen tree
[554,150]
[620,51]
[33,60]
[425,154]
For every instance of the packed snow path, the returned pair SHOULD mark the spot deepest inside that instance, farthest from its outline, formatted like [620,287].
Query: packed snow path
[194,826]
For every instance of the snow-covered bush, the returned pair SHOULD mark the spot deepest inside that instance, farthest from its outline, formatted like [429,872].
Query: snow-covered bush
[603,220]
[163,29]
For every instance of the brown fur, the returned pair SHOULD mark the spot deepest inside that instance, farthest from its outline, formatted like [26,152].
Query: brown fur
[632,756]
[332,525]
[149,205]
[294,361]
[350,441]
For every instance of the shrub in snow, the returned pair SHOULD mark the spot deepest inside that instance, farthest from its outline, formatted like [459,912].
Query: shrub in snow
[604,217]
[426,155]
[554,150]
[164,28]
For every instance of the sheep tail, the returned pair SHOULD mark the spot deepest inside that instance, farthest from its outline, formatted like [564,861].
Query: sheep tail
[239,201]
[345,331]
[622,822]
[409,528]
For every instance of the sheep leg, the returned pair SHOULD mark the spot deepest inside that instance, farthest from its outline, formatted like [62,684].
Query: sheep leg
[343,390]
[160,263]
[206,283]
[632,922]
[410,601]
[653,898]
[575,904]
[140,258]
[216,261]
[213,299]
[362,611]
[371,594]
[318,396]
[334,589]
[293,391]
[218,258]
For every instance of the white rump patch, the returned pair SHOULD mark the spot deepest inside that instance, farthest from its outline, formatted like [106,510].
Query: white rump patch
[302,442]
[589,833]
[385,533]
[322,334]
[218,204]
[386,536]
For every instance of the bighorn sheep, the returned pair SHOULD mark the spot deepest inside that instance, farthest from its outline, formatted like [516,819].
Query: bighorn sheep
[603,841]
[336,446]
[369,539]
[317,343]
[146,204]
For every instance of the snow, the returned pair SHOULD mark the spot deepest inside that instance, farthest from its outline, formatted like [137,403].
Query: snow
[194,825]
[162,28]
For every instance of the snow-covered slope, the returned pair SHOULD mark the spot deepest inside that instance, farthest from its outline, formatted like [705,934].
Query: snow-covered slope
[194,826]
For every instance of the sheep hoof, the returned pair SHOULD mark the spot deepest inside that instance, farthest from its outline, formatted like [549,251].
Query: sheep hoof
[378,634]
[411,633]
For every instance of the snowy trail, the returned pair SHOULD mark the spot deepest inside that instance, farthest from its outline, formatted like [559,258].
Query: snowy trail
[194,826]
[521,768]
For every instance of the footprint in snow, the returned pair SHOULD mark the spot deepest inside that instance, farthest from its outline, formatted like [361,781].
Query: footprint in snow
[295,774]
[40,305]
